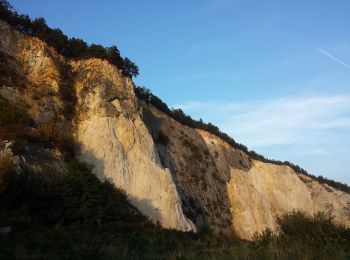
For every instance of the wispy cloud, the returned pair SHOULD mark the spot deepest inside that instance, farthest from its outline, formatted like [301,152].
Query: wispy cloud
[334,58]
[282,121]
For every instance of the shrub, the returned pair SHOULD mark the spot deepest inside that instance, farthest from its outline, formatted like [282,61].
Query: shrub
[319,229]
[73,199]
[5,170]
[306,237]
[49,132]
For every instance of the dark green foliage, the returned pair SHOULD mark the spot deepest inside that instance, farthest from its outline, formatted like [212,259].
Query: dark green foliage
[58,40]
[308,237]
[40,29]
[114,56]
[152,242]
[332,183]
[71,48]
[319,229]
[73,199]
[76,48]
[130,68]
[177,114]
[96,50]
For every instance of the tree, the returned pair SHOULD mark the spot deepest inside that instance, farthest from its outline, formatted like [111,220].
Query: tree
[40,28]
[130,68]
[76,48]
[58,40]
[114,57]
[96,51]
[24,24]
[7,12]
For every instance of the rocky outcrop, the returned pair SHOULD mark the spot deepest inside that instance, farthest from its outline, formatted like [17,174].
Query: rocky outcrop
[263,192]
[200,170]
[226,190]
[106,121]
[115,140]
[183,178]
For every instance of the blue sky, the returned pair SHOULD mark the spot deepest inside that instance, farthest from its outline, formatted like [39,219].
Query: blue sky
[273,74]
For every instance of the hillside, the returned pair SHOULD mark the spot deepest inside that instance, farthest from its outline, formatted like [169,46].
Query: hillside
[62,119]
[193,180]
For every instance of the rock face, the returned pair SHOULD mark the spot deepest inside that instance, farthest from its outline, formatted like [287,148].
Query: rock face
[184,178]
[115,140]
[263,192]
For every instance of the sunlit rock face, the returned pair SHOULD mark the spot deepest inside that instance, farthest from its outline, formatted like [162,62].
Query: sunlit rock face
[266,191]
[183,178]
[258,195]
[263,193]
[115,141]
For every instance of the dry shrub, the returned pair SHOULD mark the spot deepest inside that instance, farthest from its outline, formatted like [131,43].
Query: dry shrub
[49,131]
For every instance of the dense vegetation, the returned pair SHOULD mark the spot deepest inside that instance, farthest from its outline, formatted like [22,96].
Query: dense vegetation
[75,198]
[177,114]
[68,47]
[86,219]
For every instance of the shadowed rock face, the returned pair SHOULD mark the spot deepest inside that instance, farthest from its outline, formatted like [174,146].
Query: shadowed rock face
[200,169]
[184,178]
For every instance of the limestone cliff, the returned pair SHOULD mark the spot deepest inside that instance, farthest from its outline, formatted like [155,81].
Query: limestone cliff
[263,192]
[184,178]
[115,140]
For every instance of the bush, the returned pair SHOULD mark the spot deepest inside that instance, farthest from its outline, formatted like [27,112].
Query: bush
[319,229]
[306,237]
[5,170]
[72,199]
[49,132]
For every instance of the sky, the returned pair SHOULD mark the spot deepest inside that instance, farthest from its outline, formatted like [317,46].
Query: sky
[273,74]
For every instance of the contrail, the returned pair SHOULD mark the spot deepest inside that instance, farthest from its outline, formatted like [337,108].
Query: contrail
[334,58]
